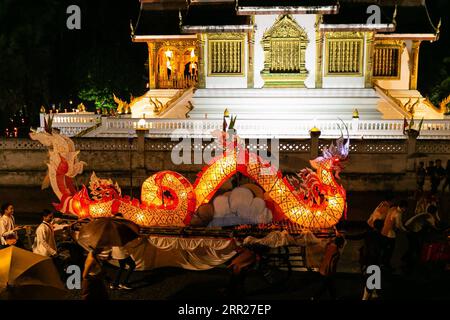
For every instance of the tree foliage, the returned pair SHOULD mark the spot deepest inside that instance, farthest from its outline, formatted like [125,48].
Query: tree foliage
[44,63]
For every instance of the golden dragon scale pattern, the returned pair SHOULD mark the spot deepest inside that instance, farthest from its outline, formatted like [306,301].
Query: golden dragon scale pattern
[169,199]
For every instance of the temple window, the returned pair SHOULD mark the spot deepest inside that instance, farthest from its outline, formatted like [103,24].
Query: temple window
[387,61]
[226,54]
[284,47]
[344,53]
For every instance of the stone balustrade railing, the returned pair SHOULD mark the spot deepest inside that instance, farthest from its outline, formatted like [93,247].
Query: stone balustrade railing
[72,124]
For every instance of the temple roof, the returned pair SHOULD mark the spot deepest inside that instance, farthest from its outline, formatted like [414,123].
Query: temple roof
[221,17]
[158,23]
[410,18]
[163,4]
[161,17]
[245,7]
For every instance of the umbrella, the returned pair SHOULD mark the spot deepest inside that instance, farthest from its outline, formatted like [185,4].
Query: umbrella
[107,232]
[25,275]
[416,155]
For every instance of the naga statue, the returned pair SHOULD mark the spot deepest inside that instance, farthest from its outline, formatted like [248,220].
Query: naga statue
[312,199]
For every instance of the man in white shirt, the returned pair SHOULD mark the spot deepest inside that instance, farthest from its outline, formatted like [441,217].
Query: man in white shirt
[8,229]
[381,210]
[44,243]
[392,224]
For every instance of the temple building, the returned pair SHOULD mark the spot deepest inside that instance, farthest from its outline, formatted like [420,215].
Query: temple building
[281,66]
[286,59]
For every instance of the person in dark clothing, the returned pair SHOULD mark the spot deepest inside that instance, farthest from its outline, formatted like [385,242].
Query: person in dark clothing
[371,254]
[125,259]
[187,71]
[420,176]
[392,224]
[328,268]
[447,177]
[431,173]
[245,259]
[418,226]
[371,251]
[439,175]
[93,285]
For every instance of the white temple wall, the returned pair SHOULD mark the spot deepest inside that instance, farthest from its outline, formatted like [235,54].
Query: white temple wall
[263,23]
[405,71]
[343,82]
[226,81]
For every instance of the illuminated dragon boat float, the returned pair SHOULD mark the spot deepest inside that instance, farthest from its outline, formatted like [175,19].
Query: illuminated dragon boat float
[310,201]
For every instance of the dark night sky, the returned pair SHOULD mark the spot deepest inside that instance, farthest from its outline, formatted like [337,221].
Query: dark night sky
[42,62]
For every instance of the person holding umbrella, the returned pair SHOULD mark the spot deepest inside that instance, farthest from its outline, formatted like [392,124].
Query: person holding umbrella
[121,254]
[93,285]
[96,236]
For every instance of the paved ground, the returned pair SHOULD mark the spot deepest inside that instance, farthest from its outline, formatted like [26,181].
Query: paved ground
[178,284]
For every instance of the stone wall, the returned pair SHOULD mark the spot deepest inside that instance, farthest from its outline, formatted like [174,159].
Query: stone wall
[374,165]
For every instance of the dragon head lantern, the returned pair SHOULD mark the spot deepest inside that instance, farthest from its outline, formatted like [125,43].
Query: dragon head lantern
[334,157]
[103,189]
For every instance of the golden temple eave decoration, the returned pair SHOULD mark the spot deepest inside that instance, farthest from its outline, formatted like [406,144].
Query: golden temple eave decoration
[154,38]
[407,36]
[284,46]
[383,27]
[179,44]
[216,29]
[259,10]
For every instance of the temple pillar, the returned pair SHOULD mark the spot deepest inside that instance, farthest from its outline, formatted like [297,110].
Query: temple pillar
[369,59]
[314,146]
[319,52]
[411,148]
[139,170]
[250,52]
[152,68]
[414,64]
[201,60]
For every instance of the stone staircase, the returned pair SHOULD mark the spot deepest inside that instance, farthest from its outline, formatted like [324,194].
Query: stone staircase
[283,104]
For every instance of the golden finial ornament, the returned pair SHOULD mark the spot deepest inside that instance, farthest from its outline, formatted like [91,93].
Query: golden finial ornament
[131,29]
[394,16]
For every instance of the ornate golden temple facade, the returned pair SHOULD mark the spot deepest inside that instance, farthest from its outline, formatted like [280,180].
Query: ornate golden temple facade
[218,48]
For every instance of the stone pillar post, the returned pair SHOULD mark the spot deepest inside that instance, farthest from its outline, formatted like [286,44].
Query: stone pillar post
[411,148]
[139,157]
[314,146]
[355,122]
